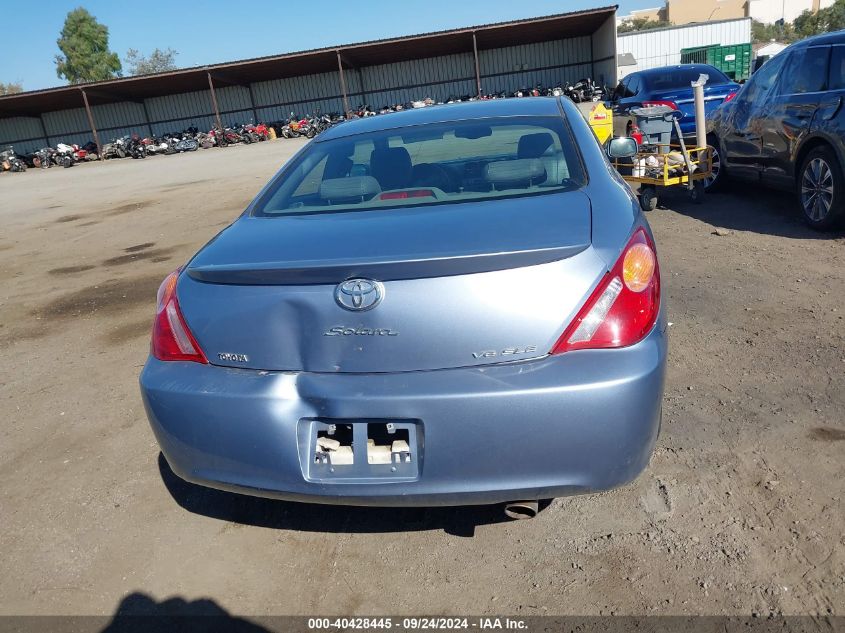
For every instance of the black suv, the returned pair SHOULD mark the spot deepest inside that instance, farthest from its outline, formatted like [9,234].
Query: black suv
[786,128]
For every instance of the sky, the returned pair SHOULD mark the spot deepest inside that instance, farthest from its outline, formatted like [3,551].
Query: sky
[221,30]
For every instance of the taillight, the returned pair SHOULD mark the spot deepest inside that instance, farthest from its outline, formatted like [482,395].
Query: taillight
[172,340]
[671,104]
[624,306]
[730,96]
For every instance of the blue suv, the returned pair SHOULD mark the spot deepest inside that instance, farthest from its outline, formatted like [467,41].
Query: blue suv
[786,128]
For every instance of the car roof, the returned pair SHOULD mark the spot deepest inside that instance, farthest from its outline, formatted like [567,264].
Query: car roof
[837,37]
[526,106]
[705,68]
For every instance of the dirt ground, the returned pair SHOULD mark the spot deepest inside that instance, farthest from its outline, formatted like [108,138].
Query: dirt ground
[740,512]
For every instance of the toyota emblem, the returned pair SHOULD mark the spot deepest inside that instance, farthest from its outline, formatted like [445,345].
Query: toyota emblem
[359,295]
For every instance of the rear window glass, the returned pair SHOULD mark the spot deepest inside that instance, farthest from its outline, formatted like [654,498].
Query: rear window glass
[458,161]
[683,77]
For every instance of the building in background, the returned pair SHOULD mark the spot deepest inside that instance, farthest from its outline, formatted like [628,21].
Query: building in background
[640,50]
[655,14]
[680,12]
[769,49]
[770,11]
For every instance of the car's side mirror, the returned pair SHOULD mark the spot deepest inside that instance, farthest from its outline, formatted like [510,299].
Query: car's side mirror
[622,147]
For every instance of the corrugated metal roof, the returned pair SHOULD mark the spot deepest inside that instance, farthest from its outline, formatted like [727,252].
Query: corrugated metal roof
[454,41]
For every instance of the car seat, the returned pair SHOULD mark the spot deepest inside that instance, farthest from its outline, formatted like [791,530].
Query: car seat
[391,167]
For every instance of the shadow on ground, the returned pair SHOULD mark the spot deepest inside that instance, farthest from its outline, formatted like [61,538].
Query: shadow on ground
[138,613]
[742,207]
[306,517]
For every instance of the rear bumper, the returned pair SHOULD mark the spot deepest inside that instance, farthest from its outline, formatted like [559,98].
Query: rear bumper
[576,423]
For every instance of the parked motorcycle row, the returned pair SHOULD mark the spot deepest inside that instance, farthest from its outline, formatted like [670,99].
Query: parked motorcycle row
[133,146]
[583,90]
[62,155]
[191,139]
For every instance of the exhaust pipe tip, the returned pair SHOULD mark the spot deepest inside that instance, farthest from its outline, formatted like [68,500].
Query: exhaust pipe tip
[521,509]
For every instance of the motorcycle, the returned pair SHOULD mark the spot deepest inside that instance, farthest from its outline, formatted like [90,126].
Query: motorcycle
[585,89]
[35,159]
[186,145]
[262,131]
[90,149]
[115,149]
[298,127]
[63,155]
[224,137]
[9,161]
[205,140]
[135,147]
[66,154]
[247,134]
[323,123]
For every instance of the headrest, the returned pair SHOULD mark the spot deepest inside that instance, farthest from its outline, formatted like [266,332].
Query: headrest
[534,145]
[506,172]
[363,187]
[391,167]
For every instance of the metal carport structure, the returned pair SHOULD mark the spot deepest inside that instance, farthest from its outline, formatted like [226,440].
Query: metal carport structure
[471,60]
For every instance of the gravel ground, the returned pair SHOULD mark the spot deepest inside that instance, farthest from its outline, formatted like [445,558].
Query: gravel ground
[740,511]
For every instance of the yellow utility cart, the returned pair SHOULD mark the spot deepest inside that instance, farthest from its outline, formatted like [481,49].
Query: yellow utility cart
[667,165]
[658,163]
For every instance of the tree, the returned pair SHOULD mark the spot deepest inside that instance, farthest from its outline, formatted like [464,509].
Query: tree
[641,24]
[158,61]
[763,33]
[13,87]
[84,43]
[823,21]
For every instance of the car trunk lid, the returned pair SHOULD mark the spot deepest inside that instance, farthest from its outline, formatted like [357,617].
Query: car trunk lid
[464,284]
[714,96]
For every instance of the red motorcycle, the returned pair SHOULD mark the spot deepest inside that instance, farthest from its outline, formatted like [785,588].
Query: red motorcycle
[224,137]
[262,131]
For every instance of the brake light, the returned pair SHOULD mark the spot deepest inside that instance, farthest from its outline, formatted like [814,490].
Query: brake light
[730,96]
[401,195]
[172,340]
[624,306]
[671,104]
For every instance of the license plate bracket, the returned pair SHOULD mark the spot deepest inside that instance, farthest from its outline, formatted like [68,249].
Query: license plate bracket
[360,450]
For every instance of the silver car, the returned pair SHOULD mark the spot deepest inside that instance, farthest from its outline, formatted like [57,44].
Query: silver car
[452,305]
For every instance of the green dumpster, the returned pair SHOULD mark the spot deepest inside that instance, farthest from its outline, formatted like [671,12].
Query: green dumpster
[733,60]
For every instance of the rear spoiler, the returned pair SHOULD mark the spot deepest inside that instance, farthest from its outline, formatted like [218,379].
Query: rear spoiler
[333,272]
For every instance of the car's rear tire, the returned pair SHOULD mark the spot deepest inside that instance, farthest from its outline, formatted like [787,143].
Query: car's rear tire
[821,189]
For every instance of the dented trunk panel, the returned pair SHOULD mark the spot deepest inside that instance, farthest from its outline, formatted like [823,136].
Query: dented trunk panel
[457,321]
[526,265]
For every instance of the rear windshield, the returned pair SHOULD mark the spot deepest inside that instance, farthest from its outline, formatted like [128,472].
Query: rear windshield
[682,77]
[458,161]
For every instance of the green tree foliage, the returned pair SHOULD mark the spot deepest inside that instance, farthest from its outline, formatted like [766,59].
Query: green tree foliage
[762,33]
[825,20]
[158,61]
[13,87]
[805,25]
[641,24]
[84,43]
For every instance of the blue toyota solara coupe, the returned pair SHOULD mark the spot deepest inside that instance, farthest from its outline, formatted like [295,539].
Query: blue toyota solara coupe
[452,305]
